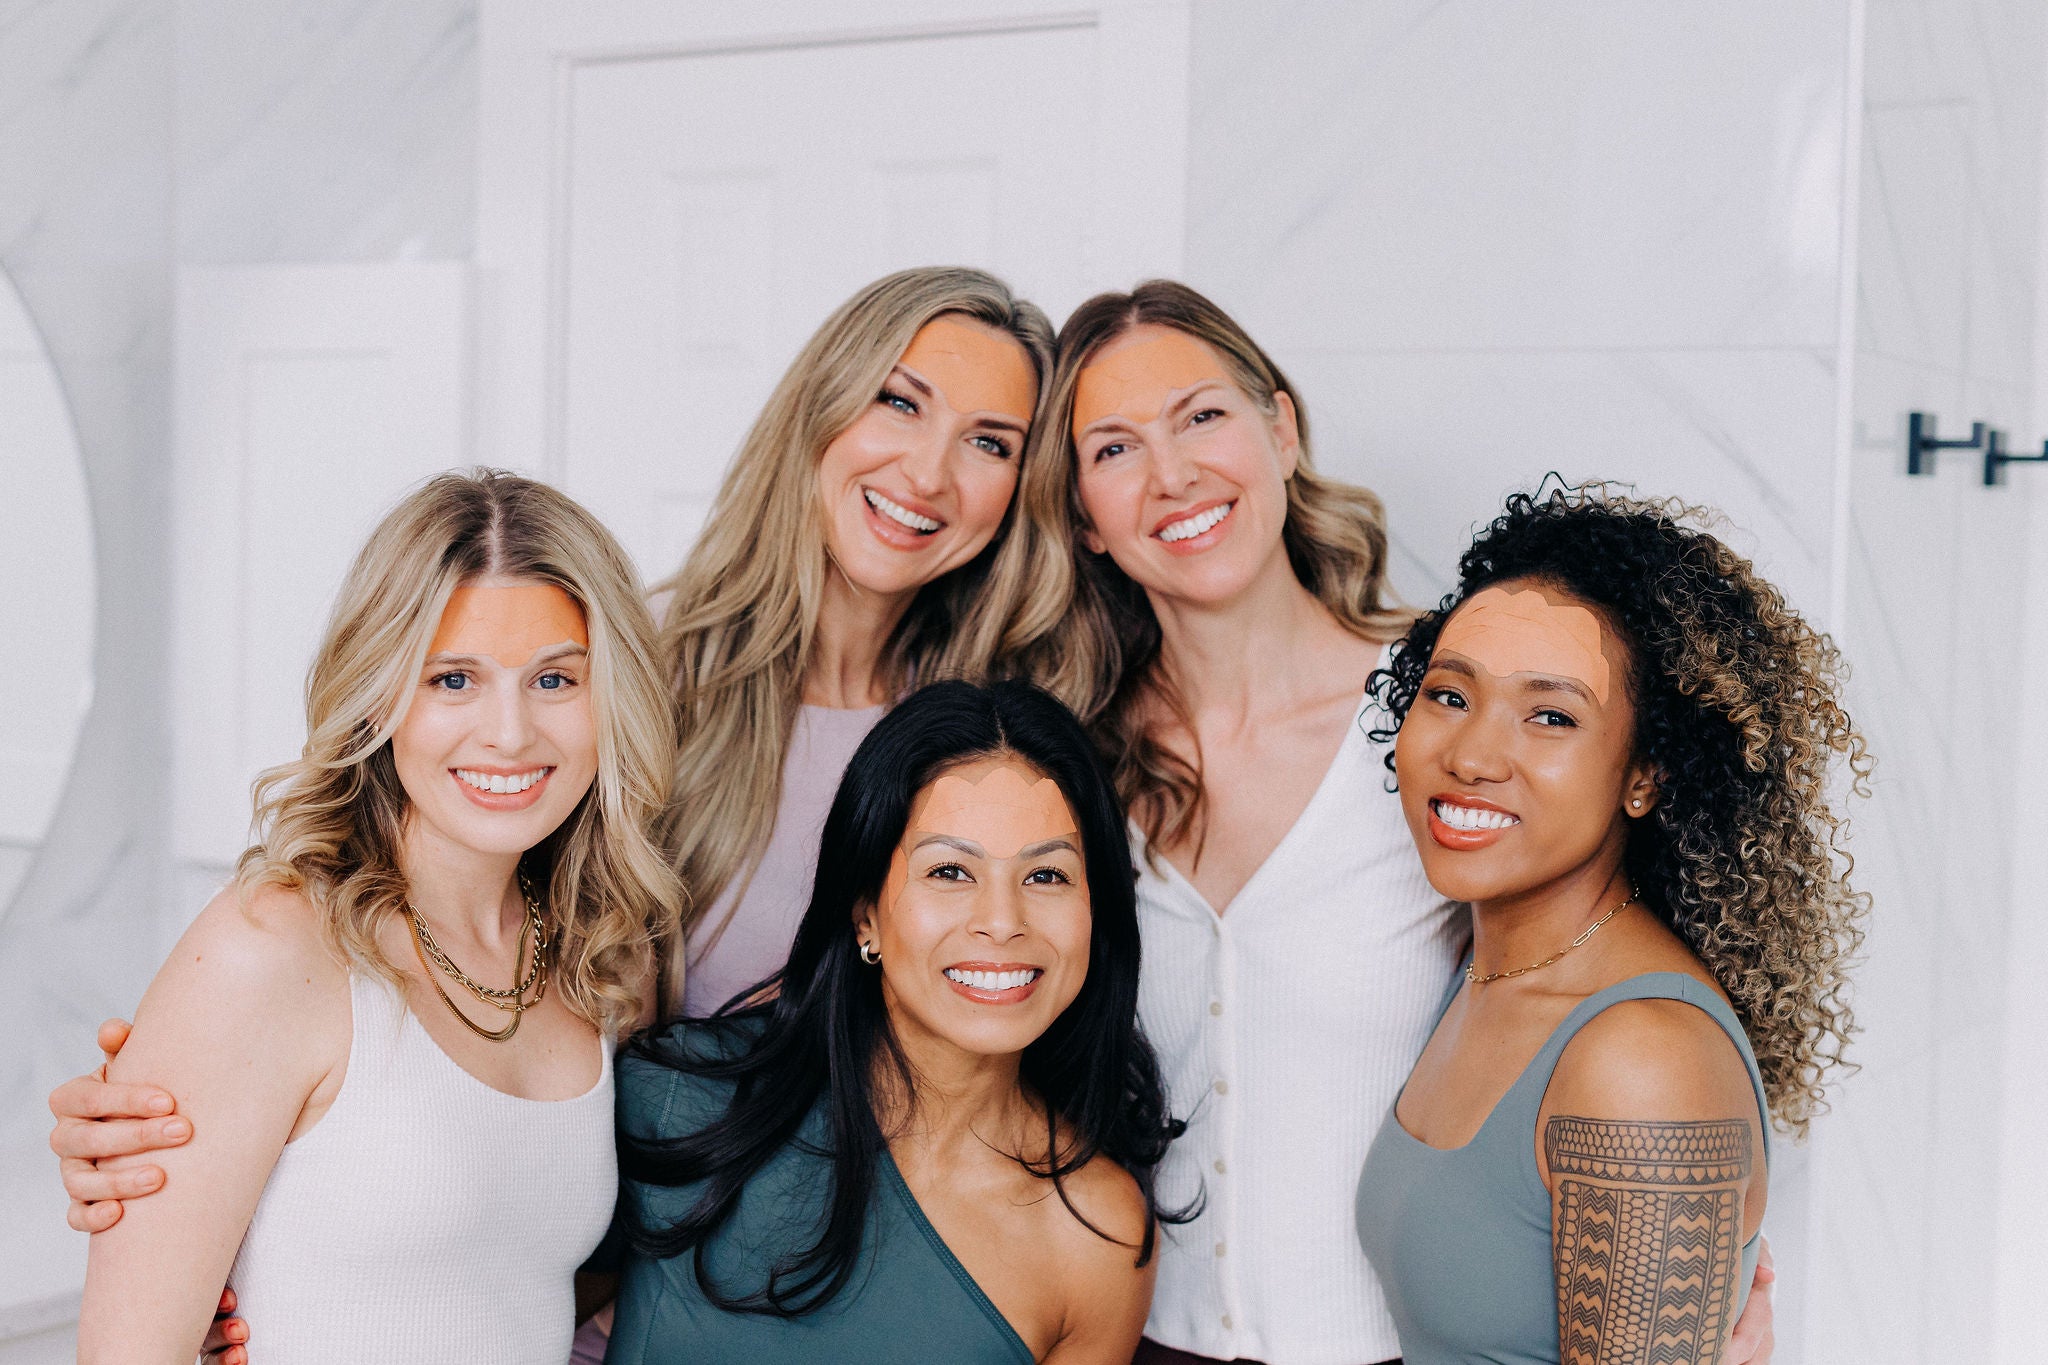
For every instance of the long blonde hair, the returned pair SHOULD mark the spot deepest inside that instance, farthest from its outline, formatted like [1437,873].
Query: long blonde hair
[329,824]
[743,609]
[1102,656]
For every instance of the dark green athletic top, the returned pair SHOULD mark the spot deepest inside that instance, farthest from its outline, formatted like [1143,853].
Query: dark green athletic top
[1460,1239]
[909,1299]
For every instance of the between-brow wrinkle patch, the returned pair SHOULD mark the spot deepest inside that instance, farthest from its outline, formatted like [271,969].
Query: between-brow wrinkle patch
[1135,379]
[1523,631]
[1003,810]
[974,367]
[509,624]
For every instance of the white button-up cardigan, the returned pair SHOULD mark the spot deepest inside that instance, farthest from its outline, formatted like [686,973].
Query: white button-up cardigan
[1285,1028]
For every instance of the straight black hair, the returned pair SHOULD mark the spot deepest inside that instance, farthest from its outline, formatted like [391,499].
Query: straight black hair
[826,1027]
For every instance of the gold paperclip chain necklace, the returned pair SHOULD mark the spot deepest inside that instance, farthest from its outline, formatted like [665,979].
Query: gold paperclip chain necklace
[1472,968]
[515,1000]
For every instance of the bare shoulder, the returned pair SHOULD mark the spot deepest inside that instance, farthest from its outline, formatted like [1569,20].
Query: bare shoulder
[1107,1196]
[252,971]
[1105,1292]
[266,936]
[1652,1059]
[245,1021]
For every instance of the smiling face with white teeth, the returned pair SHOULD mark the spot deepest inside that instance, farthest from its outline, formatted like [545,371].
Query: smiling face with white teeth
[499,740]
[1182,475]
[919,484]
[983,924]
[1517,761]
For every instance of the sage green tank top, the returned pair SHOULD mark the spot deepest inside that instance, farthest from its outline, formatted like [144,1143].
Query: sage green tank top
[1460,1239]
[909,1300]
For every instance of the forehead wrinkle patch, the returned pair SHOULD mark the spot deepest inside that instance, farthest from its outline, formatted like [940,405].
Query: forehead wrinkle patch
[974,367]
[1524,632]
[509,624]
[1135,380]
[1002,810]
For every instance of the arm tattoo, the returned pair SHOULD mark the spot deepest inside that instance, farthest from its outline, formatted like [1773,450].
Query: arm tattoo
[1646,1225]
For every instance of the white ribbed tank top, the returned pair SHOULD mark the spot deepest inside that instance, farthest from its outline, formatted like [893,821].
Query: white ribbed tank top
[426,1217]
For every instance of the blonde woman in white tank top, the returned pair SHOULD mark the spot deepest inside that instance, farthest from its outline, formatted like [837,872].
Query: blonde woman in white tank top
[391,1033]
[878,526]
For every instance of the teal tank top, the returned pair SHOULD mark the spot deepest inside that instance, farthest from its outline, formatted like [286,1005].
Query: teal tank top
[1460,1239]
[909,1298]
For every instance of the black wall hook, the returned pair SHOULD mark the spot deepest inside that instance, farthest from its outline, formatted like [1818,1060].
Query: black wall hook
[1995,459]
[1922,444]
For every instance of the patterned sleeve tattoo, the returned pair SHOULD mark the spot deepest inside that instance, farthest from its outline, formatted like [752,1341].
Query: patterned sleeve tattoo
[1646,1230]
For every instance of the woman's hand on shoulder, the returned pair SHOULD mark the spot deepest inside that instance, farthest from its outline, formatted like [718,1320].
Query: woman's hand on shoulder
[1108,1293]
[1649,1140]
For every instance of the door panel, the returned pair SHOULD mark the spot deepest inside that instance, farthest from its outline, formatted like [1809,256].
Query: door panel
[310,398]
[720,205]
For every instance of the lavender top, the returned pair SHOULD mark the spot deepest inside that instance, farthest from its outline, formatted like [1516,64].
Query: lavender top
[747,932]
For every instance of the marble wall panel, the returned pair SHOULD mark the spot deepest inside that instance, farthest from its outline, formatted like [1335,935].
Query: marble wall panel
[84,118]
[1952,162]
[2023,1176]
[326,130]
[1908,1175]
[1910,1169]
[1868,1218]
[85,221]
[1444,437]
[1477,174]
[1913,291]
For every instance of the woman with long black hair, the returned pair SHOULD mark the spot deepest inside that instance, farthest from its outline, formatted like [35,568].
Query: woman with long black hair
[934,1137]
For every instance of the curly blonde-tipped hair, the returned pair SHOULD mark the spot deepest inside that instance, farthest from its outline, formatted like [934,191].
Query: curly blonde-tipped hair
[743,609]
[1098,650]
[1738,709]
[329,824]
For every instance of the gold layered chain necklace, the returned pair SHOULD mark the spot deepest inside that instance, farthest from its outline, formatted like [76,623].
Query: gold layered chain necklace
[1472,968]
[516,1000]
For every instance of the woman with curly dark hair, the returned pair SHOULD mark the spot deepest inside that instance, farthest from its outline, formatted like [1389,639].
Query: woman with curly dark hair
[1615,741]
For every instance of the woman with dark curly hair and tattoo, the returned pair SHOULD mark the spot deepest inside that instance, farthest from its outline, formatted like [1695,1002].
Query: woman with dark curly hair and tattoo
[1614,740]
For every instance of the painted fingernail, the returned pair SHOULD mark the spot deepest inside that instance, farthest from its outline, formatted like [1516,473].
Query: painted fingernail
[237,1332]
[177,1128]
[160,1105]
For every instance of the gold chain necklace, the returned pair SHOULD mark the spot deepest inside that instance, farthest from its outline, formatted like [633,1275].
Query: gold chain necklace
[514,1000]
[1472,968]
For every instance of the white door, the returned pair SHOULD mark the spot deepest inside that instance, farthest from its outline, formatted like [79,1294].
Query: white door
[714,201]
[309,399]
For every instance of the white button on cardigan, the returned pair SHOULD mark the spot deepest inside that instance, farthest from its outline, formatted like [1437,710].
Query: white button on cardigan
[1285,1028]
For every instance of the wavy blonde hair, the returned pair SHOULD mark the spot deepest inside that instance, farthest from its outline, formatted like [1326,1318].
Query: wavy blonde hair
[1100,654]
[329,824]
[743,609]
